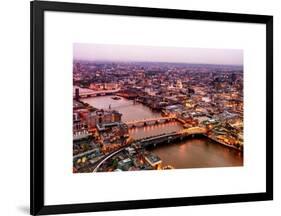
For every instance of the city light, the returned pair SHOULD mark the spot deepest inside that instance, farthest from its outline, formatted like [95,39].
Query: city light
[130,116]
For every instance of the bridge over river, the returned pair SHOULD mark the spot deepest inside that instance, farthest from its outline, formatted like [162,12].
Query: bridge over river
[85,92]
[155,140]
[173,136]
[149,121]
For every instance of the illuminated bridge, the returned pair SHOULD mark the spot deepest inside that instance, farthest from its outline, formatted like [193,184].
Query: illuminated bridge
[150,121]
[155,140]
[169,137]
[84,92]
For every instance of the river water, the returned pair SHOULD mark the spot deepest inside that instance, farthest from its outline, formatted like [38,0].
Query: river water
[191,153]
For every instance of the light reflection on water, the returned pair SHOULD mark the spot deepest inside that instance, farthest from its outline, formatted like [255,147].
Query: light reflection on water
[153,130]
[129,110]
[191,153]
[198,153]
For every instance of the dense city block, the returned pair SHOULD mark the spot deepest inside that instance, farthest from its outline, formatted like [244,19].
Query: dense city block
[206,100]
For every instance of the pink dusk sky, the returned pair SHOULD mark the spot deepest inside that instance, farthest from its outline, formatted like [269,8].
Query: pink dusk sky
[102,52]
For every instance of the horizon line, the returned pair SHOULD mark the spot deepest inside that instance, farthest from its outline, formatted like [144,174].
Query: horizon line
[136,61]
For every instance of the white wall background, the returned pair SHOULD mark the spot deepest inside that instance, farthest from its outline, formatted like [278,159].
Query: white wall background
[14,108]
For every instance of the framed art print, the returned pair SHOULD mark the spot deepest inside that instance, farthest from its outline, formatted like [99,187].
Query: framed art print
[141,107]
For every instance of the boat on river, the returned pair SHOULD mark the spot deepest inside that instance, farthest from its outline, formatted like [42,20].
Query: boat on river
[116,98]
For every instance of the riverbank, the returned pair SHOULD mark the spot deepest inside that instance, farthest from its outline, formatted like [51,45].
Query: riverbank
[197,152]
[200,151]
[223,143]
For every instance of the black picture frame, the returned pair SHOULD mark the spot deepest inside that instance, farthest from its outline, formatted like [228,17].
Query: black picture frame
[37,206]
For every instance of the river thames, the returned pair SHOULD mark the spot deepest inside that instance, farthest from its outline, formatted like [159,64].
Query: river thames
[191,153]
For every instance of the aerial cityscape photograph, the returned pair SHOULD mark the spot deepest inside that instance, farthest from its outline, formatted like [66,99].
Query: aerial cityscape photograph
[156,108]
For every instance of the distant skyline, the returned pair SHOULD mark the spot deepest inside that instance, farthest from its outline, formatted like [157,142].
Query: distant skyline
[110,52]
